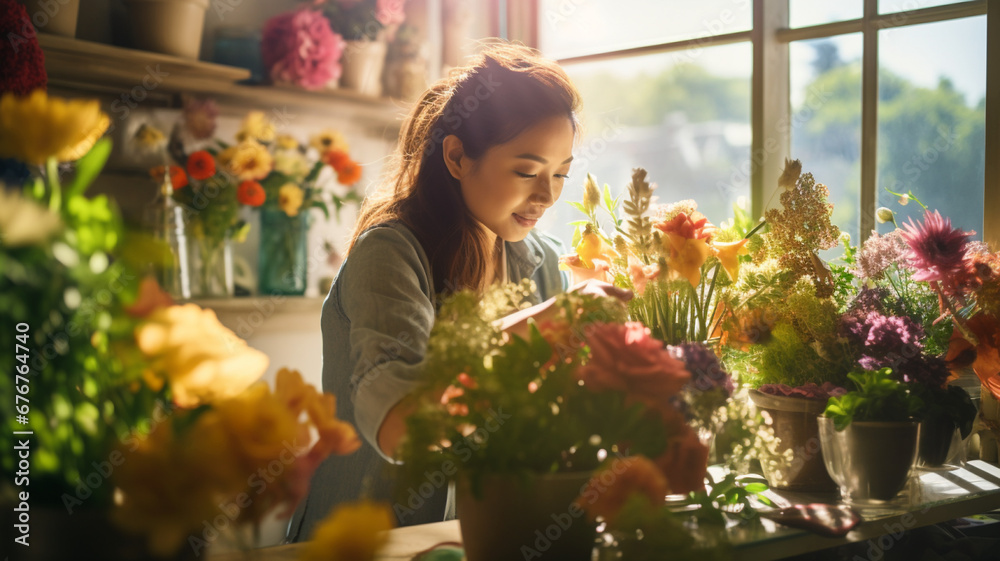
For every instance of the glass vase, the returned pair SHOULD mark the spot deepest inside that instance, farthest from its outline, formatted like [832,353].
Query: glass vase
[282,266]
[211,266]
[164,219]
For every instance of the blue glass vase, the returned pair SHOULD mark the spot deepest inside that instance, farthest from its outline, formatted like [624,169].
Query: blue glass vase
[283,266]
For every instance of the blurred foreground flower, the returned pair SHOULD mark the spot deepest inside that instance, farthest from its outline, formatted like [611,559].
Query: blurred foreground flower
[36,127]
[354,532]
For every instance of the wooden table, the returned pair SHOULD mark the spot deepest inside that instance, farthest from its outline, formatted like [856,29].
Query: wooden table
[930,498]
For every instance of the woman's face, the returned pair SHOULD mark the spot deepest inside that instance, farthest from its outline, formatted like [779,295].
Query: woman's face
[512,184]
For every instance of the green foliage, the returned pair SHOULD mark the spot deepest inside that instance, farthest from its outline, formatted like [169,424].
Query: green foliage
[878,397]
[82,388]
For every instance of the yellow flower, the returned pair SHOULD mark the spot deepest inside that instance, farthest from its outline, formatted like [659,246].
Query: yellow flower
[256,126]
[328,140]
[291,163]
[247,160]
[37,127]
[580,272]
[290,198]
[149,138]
[202,360]
[728,254]
[354,532]
[24,221]
[592,247]
[287,142]
[686,256]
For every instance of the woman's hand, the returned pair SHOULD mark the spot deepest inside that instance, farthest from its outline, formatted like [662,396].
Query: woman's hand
[517,323]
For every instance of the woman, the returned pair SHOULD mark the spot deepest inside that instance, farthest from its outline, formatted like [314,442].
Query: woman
[481,157]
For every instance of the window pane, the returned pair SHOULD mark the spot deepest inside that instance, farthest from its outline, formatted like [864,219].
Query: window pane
[826,121]
[894,6]
[685,119]
[803,13]
[577,27]
[931,118]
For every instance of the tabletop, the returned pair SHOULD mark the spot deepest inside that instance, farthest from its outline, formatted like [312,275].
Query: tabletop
[930,498]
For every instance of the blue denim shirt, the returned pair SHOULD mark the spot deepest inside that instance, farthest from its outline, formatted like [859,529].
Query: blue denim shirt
[376,321]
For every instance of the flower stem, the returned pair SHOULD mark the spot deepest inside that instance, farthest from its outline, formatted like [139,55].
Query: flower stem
[52,178]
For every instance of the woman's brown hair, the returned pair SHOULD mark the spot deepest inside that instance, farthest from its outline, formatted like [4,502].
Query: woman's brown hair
[505,90]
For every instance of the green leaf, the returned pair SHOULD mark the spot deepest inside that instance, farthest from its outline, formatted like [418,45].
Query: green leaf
[755,487]
[314,172]
[89,166]
[322,206]
[578,206]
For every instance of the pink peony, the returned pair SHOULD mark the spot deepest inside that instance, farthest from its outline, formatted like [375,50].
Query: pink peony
[300,47]
[627,358]
[390,12]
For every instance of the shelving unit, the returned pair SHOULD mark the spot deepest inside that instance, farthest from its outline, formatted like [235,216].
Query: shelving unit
[86,66]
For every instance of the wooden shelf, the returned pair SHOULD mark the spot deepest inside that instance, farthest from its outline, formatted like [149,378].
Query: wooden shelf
[94,67]
[264,304]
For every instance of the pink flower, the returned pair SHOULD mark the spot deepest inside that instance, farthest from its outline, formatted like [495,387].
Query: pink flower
[299,47]
[937,250]
[627,358]
[200,117]
[641,274]
[390,12]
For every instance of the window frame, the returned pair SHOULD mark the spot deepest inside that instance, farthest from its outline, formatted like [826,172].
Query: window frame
[770,37]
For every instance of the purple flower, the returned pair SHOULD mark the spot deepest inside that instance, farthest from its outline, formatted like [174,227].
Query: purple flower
[200,117]
[927,370]
[808,391]
[870,300]
[936,249]
[701,362]
[878,254]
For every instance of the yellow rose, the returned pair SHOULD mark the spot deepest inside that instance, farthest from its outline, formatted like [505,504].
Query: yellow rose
[256,126]
[329,140]
[247,160]
[202,360]
[36,127]
[354,532]
[290,198]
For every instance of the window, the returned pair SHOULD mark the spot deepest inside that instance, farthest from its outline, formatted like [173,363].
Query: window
[685,117]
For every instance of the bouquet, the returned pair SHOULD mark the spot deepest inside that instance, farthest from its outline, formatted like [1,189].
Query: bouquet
[138,411]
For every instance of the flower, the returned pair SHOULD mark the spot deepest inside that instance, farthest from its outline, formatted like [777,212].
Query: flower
[353,532]
[336,158]
[286,142]
[390,12]
[203,360]
[641,274]
[291,163]
[22,64]
[728,254]
[808,391]
[250,193]
[790,175]
[178,179]
[247,160]
[37,127]
[624,357]
[611,487]
[201,165]
[575,265]
[199,117]
[299,47]
[150,297]
[878,253]
[591,194]
[290,199]
[685,256]
[349,174]
[884,215]
[704,366]
[693,226]
[149,138]
[936,249]
[328,140]
[24,222]
[256,126]
[684,462]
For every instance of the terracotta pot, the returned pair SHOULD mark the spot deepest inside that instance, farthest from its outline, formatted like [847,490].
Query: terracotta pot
[57,17]
[794,422]
[514,519]
[362,64]
[870,461]
[171,27]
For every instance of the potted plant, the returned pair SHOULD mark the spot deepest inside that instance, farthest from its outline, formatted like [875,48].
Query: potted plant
[869,437]
[366,25]
[521,423]
[299,48]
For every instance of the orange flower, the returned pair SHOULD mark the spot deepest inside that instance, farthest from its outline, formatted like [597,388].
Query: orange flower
[151,297]
[693,227]
[685,460]
[336,159]
[580,272]
[686,256]
[201,165]
[610,488]
[178,179]
[250,193]
[728,254]
[349,174]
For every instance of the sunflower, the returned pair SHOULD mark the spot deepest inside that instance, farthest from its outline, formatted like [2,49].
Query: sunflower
[328,140]
[248,160]
[290,198]
[37,127]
